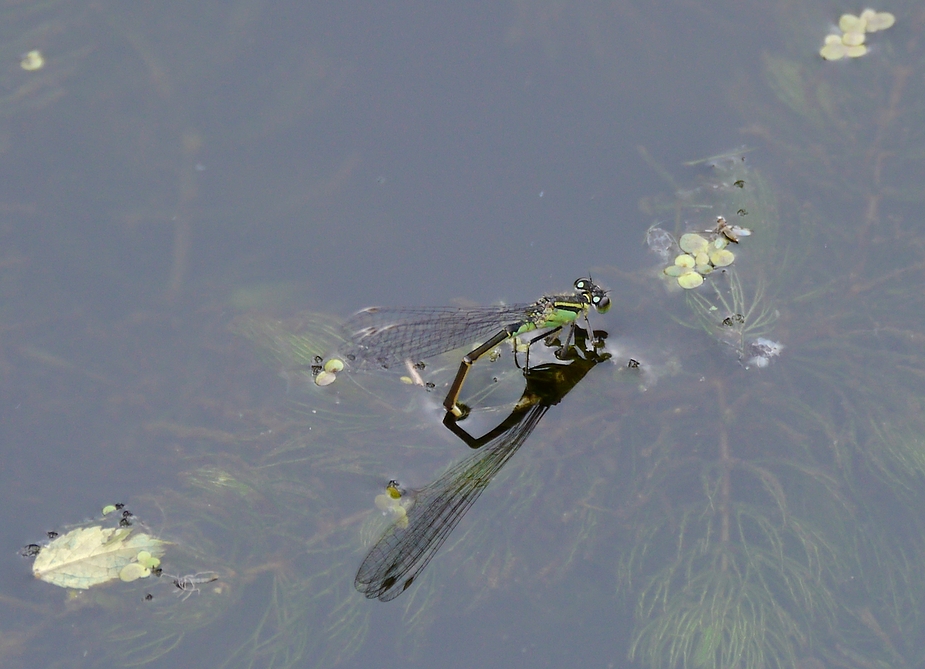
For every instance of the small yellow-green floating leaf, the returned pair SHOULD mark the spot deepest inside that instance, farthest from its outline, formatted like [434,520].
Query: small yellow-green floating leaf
[109,508]
[720,243]
[334,365]
[325,378]
[34,60]
[693,243]
[89,556]
[833,49]
[685,260]
[855,51]
[877,20]
[690,280]
[722,258]
[852,39]
[704,269]
[133,571]
[701,259]
[851,23]
[407,380]
[145,559]
[392,506]
[676,270]
[384,502]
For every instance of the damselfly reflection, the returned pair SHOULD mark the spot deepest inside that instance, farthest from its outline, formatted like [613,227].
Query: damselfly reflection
[407,547]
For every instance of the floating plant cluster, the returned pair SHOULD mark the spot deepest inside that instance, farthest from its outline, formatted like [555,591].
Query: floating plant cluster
[704,252]
[850,44]
[392,504]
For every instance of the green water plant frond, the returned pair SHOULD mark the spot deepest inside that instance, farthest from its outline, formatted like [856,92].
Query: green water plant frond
[720,619]
[732,312]
[304,618]
[741,595]
[896,454]
[881,612]
[291,344]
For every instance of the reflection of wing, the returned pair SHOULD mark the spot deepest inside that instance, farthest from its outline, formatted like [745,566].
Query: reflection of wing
[402,552]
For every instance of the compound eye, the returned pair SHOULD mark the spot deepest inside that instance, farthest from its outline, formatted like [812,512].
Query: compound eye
[601,303]
[581,284]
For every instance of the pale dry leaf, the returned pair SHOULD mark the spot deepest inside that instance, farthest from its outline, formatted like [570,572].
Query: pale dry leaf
[89,556]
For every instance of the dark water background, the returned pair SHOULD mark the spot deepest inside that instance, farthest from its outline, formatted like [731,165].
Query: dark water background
[176,167]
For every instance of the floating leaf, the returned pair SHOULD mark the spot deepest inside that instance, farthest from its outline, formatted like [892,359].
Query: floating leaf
[34,60]
[722,258]
[851,43]
[877,20]
[145,559]
[693,243]
[855,51]
[133,571]
[394,508]
[690,280]
[852,39]
[334,365]
[325,378]
[851,23]
[835,49]
[91,555]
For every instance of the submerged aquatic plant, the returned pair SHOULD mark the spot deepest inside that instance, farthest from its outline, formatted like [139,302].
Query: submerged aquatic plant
[758,526]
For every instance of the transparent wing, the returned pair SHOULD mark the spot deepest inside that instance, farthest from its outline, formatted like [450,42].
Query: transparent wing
[384,336]
[403,551]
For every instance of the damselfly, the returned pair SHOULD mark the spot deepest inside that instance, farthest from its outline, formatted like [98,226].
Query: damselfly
[384,336]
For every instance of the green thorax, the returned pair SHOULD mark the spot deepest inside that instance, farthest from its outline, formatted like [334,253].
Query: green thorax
[554,311]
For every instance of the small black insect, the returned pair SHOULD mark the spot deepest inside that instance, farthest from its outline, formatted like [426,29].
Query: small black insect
[739,184]
[742,212]
[149,597]
[52,534]
[633,364]
[30,550]
[125,522]
[119,506]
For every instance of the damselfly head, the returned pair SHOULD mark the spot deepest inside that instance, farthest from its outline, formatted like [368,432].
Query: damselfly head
[596,296]
[601,303]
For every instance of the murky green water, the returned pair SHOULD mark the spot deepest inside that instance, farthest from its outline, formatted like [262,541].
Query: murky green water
[195,197]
